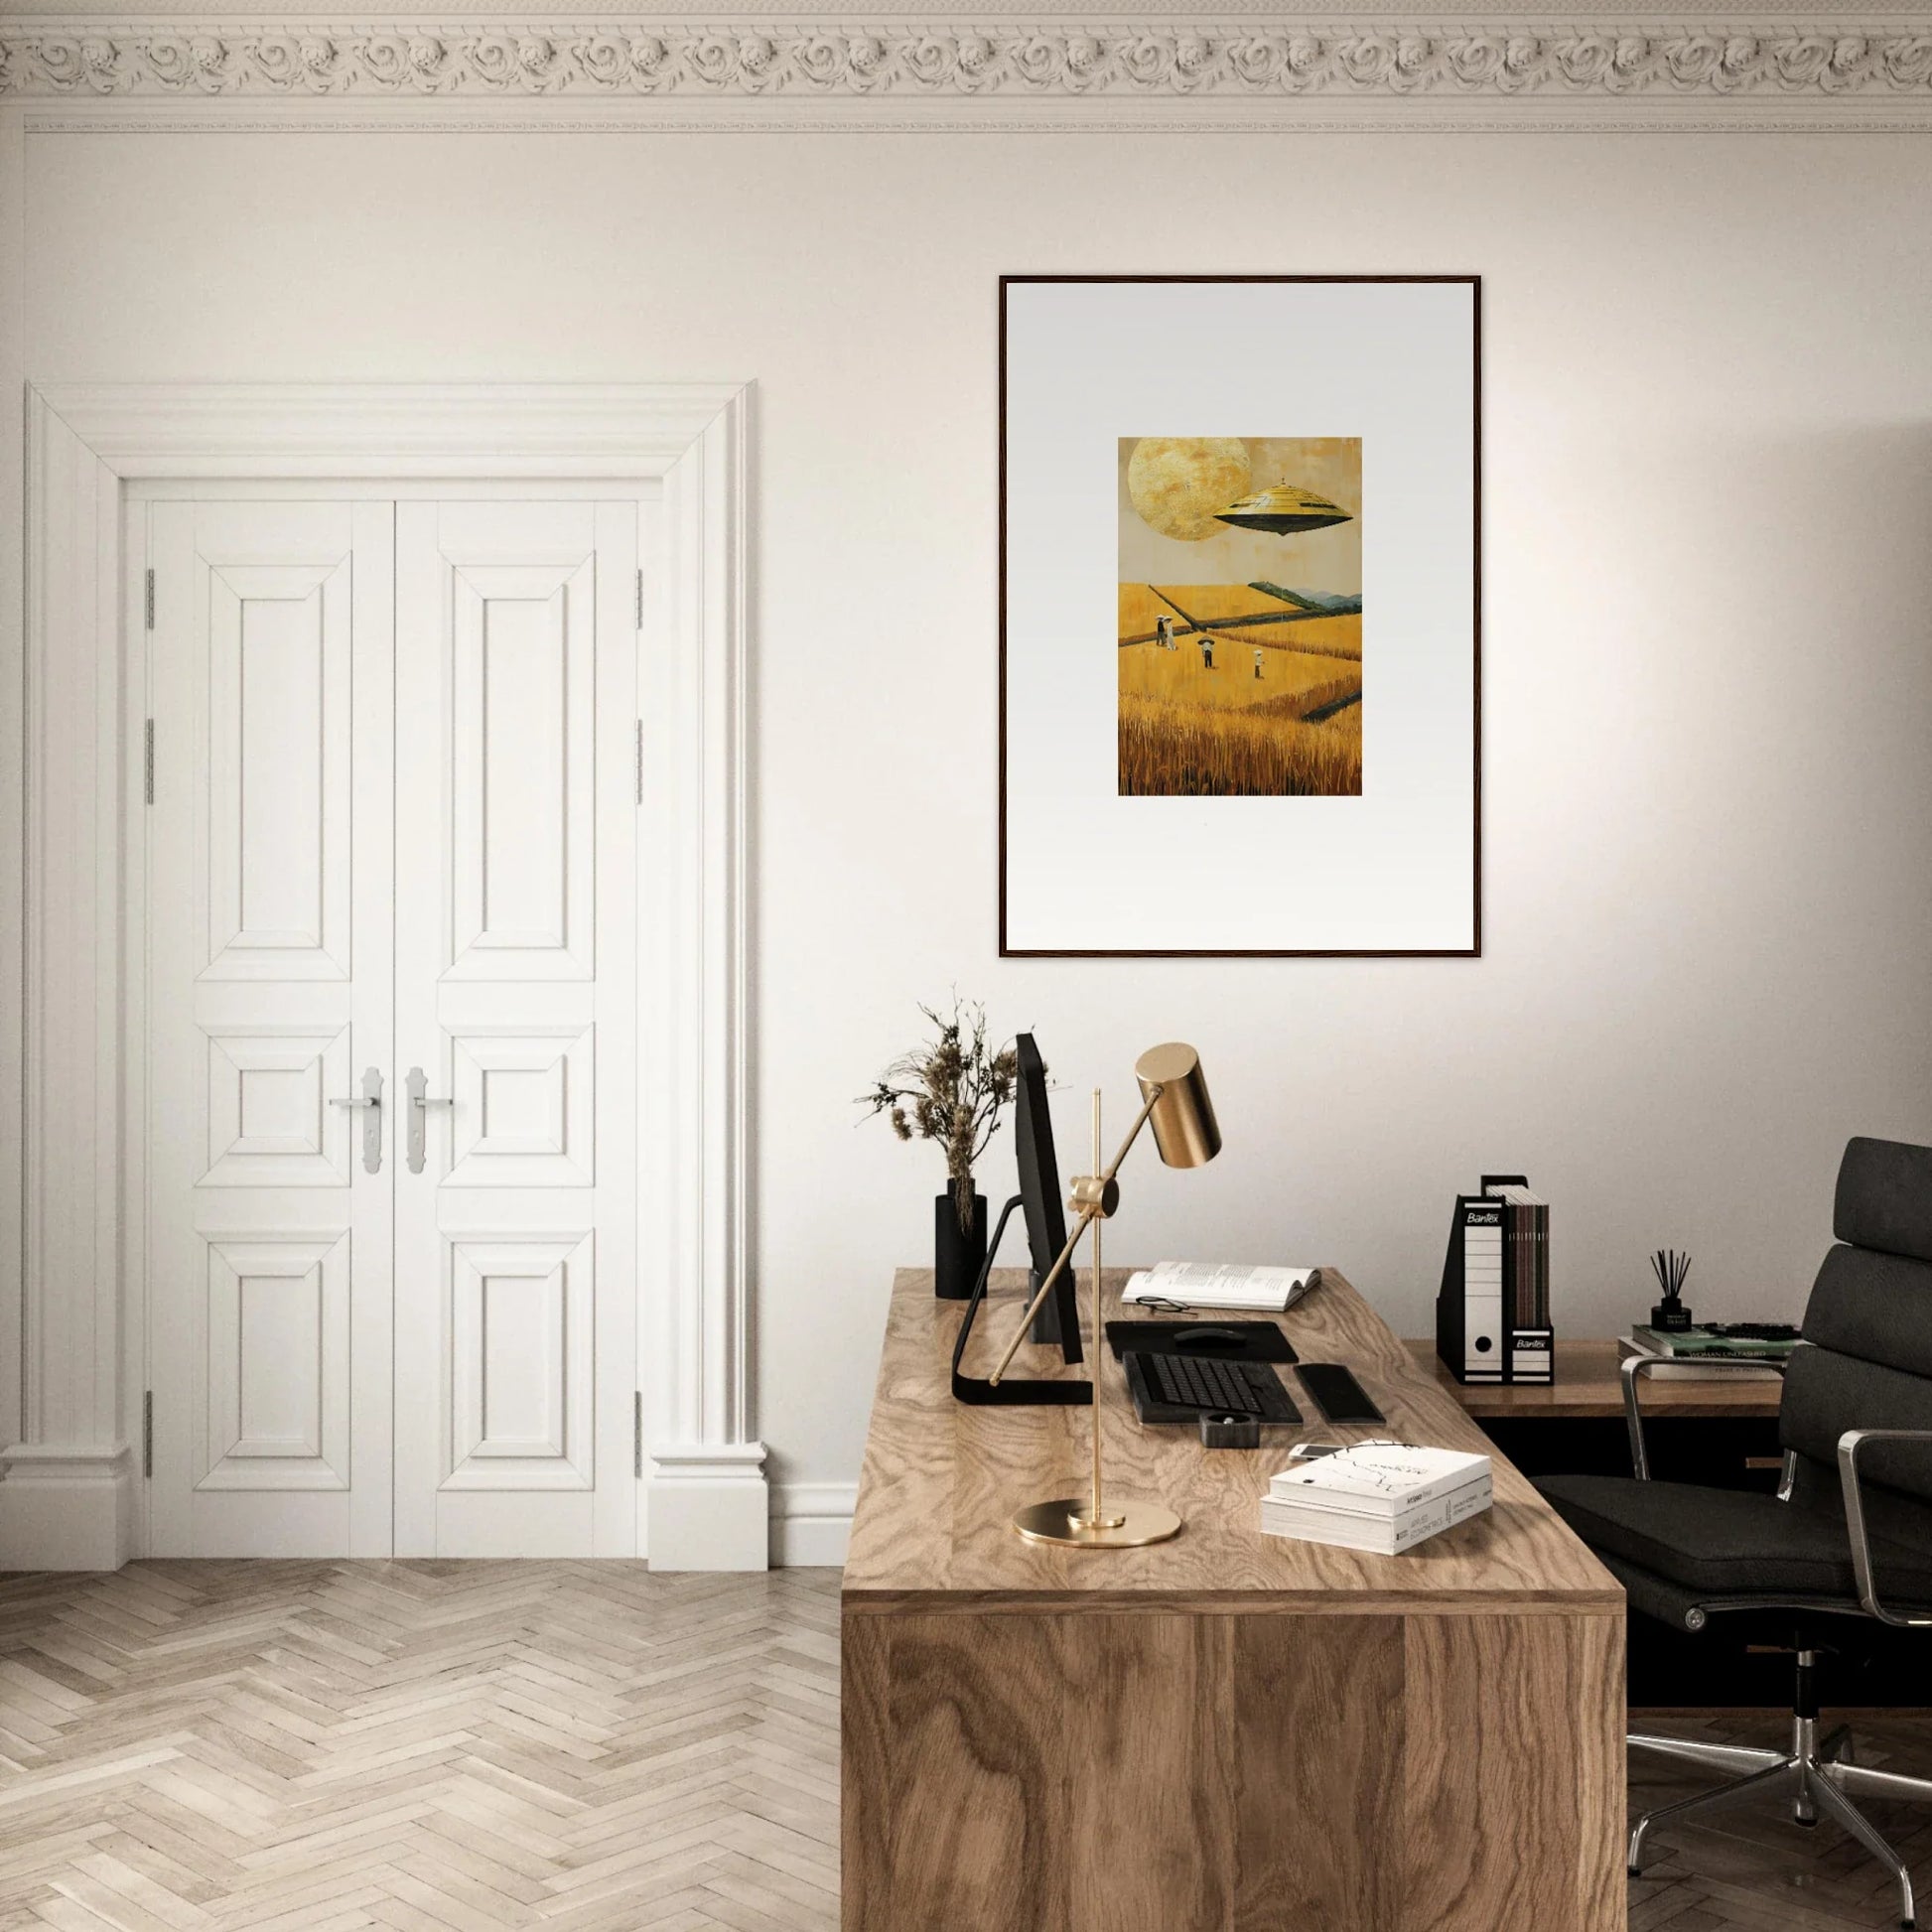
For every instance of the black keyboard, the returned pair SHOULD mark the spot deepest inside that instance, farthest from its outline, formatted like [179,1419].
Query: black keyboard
[1207,1386]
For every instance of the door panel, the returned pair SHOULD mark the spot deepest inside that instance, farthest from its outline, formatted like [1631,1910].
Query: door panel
[278,1408]
[524,1108]
[269,897]
[269,1120]
[522,1328]
[522,854]
[515,981]
[393,829]
[279,773]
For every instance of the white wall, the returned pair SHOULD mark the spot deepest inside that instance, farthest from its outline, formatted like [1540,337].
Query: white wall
[1707,655]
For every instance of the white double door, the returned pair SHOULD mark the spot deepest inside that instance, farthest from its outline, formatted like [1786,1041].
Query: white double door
[391,860]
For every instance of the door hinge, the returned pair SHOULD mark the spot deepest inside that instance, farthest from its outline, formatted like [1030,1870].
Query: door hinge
[150,599]
[640,598]
[147,1433]
[147,760]
[638,1434]
[640,761]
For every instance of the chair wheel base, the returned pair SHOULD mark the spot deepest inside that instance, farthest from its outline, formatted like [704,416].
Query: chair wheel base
[1810,1824]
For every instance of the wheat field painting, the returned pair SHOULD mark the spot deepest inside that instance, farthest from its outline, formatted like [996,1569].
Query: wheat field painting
[1240,627]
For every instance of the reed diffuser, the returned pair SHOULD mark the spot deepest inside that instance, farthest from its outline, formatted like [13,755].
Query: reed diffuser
[1670,1315]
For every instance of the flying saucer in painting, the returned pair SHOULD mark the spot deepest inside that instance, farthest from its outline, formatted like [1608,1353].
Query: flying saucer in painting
[1282,511]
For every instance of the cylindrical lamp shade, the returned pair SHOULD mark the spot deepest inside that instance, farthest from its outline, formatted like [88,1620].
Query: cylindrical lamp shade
[1184,1128]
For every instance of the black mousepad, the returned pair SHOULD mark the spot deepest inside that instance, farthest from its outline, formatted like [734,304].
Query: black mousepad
[1246,1342]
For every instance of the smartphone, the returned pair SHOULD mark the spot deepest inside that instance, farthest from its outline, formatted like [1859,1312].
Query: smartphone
[1337,1393]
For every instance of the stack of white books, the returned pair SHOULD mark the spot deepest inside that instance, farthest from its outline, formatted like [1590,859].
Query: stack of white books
[1218,1285]
[1380,1496]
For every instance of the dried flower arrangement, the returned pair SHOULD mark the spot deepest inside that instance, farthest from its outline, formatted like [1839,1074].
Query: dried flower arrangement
[950,1090]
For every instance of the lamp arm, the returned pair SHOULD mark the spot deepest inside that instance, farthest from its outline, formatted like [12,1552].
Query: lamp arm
[1133,1133]
[1088,1216]
[1065,1255]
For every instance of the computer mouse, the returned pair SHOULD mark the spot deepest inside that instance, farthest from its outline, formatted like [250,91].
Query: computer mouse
[1209,1339]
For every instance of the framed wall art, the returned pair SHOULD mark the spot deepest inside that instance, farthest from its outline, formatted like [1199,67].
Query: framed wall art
[1239,614]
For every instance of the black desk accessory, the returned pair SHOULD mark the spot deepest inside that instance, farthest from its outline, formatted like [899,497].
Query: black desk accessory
[1181,1389]
[1230,1432]
[1040,1200]
[1492,1315]
[1059,1319]
[1010,1391]
[1670,1316]
[1229,1341]
[1337,1393]
[1754,1331]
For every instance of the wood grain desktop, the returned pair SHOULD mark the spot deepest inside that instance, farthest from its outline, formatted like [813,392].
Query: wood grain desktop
[1228,1733]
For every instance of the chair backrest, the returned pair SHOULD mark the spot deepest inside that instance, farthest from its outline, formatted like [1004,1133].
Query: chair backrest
[1868,1325]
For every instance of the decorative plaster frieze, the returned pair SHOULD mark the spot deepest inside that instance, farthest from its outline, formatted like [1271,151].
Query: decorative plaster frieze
[621,59]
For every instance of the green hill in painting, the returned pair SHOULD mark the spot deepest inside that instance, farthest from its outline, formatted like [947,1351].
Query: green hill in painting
[1333,603]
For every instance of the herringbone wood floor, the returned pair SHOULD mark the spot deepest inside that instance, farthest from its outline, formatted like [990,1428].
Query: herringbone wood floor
[469,1747]
[317,1746]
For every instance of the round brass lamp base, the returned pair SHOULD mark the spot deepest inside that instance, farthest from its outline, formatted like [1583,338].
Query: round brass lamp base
[1129,1526]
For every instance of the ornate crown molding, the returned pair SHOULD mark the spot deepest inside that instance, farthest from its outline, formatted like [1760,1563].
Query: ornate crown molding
[1815,67]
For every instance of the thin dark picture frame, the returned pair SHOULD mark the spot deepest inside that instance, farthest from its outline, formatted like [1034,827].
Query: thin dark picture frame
[1471,951]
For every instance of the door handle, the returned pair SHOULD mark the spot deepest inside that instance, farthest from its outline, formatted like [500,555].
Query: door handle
[370,1098]
[419,1105]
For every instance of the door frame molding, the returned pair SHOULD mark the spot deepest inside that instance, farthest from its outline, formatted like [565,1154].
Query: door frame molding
[72,1342]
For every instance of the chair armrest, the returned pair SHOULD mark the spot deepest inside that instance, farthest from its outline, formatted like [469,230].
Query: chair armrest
[1849,1445]
[1635,1367]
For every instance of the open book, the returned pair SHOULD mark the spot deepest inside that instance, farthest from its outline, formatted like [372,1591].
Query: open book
[1214,1284]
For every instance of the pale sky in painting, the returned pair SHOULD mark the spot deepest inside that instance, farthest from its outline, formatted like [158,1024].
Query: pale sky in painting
[1315,560]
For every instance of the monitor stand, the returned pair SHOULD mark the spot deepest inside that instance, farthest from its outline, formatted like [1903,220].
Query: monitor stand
[1047,1323]
[1013,1391]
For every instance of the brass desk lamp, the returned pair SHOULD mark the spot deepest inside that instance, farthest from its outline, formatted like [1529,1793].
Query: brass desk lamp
[1174,1101]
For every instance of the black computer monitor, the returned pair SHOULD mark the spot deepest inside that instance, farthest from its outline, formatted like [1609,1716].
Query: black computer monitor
[1039,1198]
[1039,1201]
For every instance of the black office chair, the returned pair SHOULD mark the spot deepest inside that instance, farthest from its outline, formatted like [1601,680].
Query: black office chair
[1849,1536]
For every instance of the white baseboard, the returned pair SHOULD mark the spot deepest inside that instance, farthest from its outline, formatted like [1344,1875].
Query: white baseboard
[811,1523]
[709,1507]
[65,1508]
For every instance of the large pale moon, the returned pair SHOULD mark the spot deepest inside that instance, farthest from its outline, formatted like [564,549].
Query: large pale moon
[1178,482]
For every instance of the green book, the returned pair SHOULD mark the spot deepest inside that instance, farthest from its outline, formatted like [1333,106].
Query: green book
[1700,1342]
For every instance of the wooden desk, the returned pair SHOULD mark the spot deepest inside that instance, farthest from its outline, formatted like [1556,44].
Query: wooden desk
[1587,1386]
[1719,1432]
[1228,1733]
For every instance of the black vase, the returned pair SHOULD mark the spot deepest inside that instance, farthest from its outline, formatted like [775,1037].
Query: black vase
[957,1257]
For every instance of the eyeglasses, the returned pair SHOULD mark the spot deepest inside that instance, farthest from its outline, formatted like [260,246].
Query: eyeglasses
[1310,1452]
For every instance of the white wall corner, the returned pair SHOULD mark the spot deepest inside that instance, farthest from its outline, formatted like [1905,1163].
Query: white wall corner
[709,1507]
[65,1508]
[706,1505]
[66,1500]
[811,1523]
